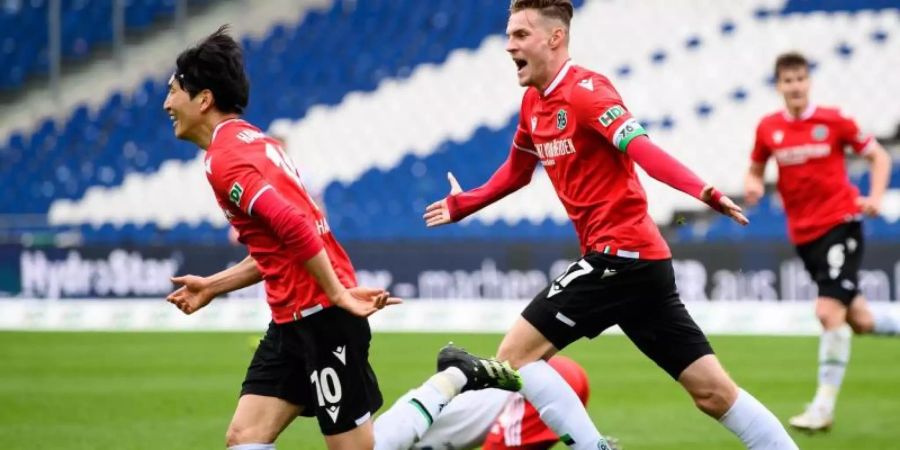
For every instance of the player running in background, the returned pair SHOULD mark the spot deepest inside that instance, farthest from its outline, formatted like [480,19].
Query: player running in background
[313,360]
[574,122]
[823,212]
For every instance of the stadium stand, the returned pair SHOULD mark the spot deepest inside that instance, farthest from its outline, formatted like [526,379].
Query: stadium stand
[85,26]
[376,114]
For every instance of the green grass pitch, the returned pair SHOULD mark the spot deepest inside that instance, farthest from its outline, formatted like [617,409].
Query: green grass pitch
[89,391]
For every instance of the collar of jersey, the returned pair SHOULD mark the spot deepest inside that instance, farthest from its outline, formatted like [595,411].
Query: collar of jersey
[807,113]
[219,126]
[559,77]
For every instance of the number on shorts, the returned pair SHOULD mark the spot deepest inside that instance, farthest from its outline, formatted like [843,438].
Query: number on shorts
[328,386]
[575,270]
[836,258]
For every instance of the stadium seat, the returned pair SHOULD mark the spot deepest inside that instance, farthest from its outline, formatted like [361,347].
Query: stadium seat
[400,96]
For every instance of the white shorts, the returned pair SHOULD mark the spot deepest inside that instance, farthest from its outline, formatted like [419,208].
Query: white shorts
[465,421]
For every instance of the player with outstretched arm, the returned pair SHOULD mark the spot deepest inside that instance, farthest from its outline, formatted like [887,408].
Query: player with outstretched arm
[574,123]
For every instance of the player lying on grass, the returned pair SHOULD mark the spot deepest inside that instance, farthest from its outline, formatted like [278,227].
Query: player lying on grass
[490,419]
[314,358]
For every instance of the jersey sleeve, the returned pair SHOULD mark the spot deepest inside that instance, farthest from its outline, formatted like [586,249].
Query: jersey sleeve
[851,135]
[761,152]
[522,139]
[602,110]
[233,177]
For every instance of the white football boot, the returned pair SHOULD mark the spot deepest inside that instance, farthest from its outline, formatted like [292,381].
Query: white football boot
[815,418]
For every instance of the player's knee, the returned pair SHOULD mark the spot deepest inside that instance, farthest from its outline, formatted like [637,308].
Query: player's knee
[238,434]
[509,353]
[863,325]
[829,318]
[716,398]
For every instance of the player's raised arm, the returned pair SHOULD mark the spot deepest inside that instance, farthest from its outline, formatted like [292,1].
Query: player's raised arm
[601,109]
[512,175]
[665,168]
[196,292]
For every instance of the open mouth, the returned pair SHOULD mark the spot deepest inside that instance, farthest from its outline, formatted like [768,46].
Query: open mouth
[520,63]
[174,120]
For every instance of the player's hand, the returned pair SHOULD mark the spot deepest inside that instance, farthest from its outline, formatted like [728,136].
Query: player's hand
[727,207]
[869,206]
[753,190]
[193,294]
[438,213]
[363,301]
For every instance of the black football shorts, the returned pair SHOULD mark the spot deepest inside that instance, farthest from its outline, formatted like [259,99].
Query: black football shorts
[601,290]
[833,261]
[320,362]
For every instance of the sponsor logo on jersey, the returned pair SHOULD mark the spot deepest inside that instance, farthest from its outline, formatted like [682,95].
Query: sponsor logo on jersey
[820,132]
[554,148]
[789,156]
[610,116]
[778,136]
[236,192]
[248,136]
[587,83]
[533,123]
[562,119]
[626,132]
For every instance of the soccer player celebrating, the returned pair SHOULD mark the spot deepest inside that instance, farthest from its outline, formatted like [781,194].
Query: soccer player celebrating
[313,360]
[576,125]
[823,213]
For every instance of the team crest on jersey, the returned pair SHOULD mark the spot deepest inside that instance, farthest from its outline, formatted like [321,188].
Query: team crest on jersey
[610,116]
[237,191]
[533,123]
[562,119]
[820,132]
[778,136]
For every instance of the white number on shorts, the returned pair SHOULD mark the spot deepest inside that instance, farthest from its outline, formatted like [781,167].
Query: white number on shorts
[575,270]
[328,386]
[836,257]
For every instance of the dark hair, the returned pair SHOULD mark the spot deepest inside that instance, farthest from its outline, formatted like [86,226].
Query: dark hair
[554,9]
[790,60]
[216,64]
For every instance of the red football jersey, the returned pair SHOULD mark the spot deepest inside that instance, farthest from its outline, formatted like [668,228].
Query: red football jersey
[579,128]
[812,175]
[241,164]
